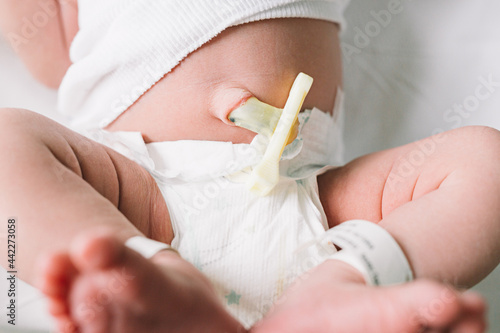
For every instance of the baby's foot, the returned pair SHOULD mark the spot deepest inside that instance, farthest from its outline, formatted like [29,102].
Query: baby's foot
[333,298]
[103,287]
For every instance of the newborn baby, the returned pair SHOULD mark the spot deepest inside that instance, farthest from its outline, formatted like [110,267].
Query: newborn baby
[236,269]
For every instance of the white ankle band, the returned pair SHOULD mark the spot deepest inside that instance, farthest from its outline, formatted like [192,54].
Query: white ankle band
[370,249]
[145,246]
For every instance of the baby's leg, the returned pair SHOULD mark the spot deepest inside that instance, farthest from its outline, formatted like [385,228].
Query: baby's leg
[59,184]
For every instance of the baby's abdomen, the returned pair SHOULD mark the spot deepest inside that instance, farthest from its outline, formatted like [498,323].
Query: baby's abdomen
[261,58]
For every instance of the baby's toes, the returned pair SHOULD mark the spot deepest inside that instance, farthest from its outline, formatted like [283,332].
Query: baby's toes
[473,317]
[474,303]
[436,305]
[96,250]
[65,325]
[91,303]
[56,272]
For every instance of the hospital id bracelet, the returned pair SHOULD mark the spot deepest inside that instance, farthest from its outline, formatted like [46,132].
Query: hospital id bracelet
[371,250]
[146,247]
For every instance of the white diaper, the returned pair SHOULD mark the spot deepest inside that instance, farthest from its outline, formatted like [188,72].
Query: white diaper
[250,247]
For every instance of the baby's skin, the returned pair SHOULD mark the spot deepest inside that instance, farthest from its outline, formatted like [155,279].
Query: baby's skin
[444,213]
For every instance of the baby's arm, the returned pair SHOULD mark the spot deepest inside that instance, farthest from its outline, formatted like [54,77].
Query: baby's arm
[41,33]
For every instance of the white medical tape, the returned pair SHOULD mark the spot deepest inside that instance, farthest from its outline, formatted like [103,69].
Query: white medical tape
[146,247]
[370,249]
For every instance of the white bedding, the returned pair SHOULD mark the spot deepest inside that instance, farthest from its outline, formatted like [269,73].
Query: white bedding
[400,85]
[431,56]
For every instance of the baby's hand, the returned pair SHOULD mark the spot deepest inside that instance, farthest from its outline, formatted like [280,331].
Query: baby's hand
[334,298]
